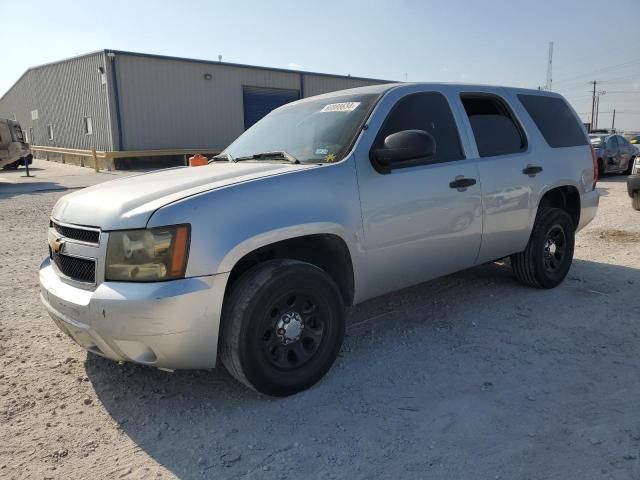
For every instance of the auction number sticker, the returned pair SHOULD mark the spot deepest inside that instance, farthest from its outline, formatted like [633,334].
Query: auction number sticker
[341,107]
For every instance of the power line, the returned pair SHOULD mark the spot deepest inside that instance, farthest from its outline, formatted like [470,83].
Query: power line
[601,69]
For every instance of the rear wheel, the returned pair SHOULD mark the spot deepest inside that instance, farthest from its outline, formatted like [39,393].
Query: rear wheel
[548,256]
[635,201]
[282,327]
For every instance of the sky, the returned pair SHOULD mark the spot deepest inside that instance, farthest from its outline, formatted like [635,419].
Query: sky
[495,42]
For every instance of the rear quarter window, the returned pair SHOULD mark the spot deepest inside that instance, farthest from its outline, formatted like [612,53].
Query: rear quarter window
[555,120]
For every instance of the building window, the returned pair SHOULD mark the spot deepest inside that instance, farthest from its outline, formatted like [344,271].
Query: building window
[50,131]
[26,136]
[87,123]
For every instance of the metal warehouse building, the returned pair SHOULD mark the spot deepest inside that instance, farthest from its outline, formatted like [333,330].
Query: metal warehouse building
[127,104]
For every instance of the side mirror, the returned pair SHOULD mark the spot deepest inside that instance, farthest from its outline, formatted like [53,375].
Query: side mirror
[404,149]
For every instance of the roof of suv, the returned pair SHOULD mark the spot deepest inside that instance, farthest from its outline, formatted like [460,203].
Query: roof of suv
[383,88]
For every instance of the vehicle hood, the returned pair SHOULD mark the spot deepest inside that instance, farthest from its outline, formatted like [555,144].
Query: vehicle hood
[129,202]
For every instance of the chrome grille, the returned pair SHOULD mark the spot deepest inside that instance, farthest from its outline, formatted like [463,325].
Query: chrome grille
[80,234]
[79,269]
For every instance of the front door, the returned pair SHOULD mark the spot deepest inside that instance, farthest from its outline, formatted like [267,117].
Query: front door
[417,224]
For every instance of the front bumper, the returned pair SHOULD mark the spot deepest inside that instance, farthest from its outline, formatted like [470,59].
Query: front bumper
[633,184]
[170,324]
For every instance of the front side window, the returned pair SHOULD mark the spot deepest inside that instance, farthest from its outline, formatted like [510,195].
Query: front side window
[612,143]
[494,128]
[313,131]
[430,112]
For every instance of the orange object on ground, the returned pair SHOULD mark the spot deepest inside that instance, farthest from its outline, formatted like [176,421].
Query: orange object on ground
[198,160]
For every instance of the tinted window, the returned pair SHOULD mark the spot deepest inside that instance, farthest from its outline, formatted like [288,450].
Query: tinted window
[612,142]
[555,120]
[429,112]
[494,128]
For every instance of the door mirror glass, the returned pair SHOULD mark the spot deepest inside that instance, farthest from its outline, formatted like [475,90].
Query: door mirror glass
[403,149]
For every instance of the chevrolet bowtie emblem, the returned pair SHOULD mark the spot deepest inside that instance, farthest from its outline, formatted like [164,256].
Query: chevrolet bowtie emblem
[56,244]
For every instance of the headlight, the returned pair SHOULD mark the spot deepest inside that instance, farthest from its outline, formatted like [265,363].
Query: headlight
[148,255]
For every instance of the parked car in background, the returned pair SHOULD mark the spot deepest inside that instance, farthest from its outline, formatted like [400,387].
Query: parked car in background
[614,153]
[324,203]
[633,184]
[634,139]
[14,150]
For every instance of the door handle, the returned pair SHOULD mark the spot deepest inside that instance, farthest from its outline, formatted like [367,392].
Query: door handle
[462,182]
[532,170]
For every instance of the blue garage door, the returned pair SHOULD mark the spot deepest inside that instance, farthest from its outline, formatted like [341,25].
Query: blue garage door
[258,101]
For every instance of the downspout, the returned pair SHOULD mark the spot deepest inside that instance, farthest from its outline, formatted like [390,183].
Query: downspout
[301,85]
[116,96]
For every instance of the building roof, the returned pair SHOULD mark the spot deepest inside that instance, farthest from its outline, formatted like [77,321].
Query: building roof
[190,60]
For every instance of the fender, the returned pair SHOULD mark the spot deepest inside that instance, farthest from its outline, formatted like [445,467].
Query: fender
[251,244]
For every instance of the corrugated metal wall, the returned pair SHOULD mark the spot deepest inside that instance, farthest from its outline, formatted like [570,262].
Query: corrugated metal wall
[163,103]
[168,103]
[318,84]
[63,93]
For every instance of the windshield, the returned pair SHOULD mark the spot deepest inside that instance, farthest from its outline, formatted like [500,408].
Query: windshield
[316,131]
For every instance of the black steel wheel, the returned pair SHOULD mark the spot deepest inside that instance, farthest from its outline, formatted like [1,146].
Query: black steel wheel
[547,258]
[293,330]
[282,327]
[555,247]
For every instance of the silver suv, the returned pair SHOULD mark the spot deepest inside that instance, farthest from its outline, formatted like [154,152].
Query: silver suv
[325,203]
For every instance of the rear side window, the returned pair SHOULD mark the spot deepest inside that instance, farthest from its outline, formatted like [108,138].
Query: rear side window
[554,119]
[494,128]
[430,112]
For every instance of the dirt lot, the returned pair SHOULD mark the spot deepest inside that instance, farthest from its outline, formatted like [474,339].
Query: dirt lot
[470,376]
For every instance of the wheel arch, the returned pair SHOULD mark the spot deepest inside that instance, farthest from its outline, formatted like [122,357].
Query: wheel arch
[566,197]
[322,245]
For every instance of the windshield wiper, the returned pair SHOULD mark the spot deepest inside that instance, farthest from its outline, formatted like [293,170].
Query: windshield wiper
[276,155]
[222,156]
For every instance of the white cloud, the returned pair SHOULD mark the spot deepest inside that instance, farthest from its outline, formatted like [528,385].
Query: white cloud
[295,65]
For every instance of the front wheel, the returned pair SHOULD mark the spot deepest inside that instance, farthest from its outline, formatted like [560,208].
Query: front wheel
[548,256]
[282,327]
[635,201]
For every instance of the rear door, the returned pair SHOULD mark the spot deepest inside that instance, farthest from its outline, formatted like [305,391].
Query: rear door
[510,172]
[416,225]
[612,153]
[626,152]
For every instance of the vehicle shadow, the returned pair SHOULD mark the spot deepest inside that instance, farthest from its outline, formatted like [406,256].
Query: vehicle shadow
[417,368]
[8,190]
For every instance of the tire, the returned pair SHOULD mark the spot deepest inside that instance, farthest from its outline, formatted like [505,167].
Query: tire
[548,256]
[276,308]
[635,200]
[600,168]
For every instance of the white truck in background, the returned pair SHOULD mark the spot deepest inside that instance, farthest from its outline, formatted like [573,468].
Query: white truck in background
[14,150]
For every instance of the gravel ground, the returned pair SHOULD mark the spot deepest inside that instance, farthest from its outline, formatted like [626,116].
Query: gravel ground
[469,376]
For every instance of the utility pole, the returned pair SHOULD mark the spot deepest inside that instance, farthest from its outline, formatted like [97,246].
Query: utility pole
[593,103]
[549,67]
[613,121]
[598,95]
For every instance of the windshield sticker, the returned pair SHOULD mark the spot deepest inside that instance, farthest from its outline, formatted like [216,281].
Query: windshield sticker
[341,107]
[322,151]
[330,158]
